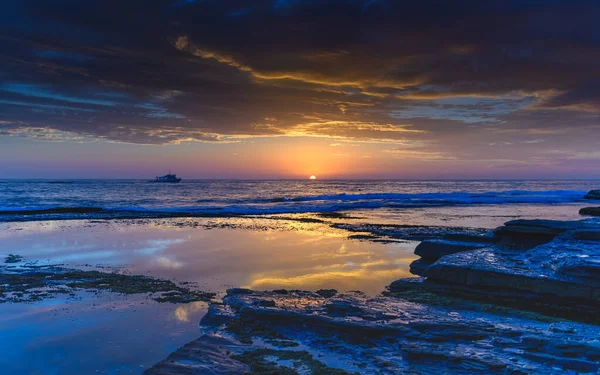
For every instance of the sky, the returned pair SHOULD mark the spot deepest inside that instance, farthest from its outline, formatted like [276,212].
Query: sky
[293,88]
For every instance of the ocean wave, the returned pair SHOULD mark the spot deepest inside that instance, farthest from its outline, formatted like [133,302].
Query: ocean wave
[299,204]
[52,211]
[510,196]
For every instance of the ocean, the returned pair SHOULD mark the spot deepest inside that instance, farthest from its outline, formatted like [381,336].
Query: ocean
[227,197]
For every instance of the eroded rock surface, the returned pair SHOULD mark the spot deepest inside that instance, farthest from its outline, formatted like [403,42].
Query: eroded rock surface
[433,249]
[210,355]
[302,332]
[526,234]
[542,265]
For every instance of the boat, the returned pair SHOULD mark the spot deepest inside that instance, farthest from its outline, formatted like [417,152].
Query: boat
[169,177]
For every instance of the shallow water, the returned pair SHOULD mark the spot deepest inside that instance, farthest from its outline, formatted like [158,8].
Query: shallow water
[113,334]
[309,256]
[103,334]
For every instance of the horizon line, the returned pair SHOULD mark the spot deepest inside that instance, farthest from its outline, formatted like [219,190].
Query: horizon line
[305,179]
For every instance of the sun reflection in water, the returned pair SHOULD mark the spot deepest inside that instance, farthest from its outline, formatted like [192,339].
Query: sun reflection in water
[183,312]
[286,251]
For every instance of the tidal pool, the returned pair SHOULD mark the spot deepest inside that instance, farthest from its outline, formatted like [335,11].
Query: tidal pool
[113,334]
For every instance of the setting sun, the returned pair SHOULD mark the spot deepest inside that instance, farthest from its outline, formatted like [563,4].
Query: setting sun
[313,177]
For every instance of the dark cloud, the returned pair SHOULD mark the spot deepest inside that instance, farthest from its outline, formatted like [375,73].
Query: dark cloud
[158,71]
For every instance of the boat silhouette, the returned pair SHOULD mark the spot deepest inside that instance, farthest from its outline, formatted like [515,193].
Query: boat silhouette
[169,178]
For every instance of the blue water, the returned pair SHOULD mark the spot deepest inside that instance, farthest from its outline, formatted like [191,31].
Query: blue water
[291,196]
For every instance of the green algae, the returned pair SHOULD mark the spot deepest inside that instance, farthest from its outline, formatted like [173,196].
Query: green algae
[246,329]
[261,362]
[36,283]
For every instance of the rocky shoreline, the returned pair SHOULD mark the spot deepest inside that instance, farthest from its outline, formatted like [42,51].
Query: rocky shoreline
[291,332]
[26,282]
[548,266]
[523,299]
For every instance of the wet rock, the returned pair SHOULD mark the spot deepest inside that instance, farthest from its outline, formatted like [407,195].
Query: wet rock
[593,194]
[432,250]
[419,266]
[555,226]
[526,234]
[557,276]
[585,235]
[31,283]
[209,355]
[547,266]
[386,335]
[218,314]
[590,211]
[409,283]
[587,269]
[341,307]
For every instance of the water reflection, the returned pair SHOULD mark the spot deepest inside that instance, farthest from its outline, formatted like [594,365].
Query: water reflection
[306,256]
[183,312]
[104,334]
[113,334]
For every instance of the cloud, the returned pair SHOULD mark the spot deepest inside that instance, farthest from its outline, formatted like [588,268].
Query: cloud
[404,153]
[39,133]
[183,44]
[453,76]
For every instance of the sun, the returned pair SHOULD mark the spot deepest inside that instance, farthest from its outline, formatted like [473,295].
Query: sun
[313,177]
